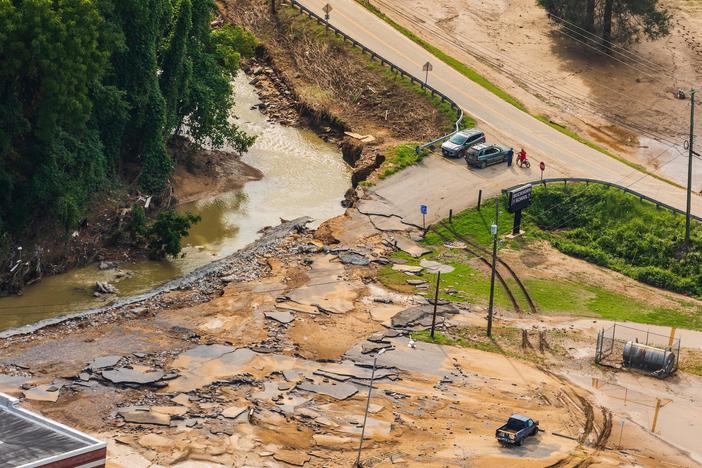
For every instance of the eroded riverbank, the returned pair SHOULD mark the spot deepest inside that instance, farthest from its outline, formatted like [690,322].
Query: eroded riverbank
[302,176]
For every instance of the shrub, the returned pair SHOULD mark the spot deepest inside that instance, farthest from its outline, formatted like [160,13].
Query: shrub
[137,222]
[165,234]
[665,279]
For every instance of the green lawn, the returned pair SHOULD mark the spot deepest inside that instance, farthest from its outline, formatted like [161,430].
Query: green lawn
[551,296]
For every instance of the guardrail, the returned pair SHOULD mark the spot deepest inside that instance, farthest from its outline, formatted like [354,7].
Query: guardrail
[565,181]
[393,67]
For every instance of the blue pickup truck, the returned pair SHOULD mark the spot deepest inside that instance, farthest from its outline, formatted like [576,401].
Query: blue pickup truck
[517,429]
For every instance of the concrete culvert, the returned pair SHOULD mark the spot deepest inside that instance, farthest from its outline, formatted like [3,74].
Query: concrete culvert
[655,361]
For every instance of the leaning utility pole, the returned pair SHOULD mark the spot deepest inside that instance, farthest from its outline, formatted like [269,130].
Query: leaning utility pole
[690,144]
[494,264]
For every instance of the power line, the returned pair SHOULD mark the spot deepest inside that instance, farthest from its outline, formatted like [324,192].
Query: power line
[574,100]
[614,47]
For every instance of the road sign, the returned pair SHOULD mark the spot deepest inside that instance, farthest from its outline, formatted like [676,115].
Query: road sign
[327,9]
[542,165]
[427,68]
[519,198]
[424,209]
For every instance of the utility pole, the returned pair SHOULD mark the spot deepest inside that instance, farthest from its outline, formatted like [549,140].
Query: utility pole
[358,463]
[690,145]
[494,263]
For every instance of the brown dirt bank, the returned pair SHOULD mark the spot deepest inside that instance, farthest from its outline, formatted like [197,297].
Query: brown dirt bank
[201,174]
[53,250]
[329,77]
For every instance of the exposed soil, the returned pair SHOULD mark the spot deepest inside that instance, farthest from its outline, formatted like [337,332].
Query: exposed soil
[329,77]
[52,250]
[204,174]
[622,101]
[272,366]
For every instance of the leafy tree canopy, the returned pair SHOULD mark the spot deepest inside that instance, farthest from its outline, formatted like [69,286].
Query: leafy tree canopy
[613,21]
[91,91]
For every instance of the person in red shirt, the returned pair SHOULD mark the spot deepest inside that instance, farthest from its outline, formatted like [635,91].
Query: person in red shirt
[522,156]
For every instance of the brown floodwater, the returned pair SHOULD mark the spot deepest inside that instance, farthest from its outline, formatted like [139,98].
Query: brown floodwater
[303,176]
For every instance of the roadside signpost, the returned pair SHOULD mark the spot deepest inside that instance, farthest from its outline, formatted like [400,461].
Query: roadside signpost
[327,9]
[424,209]
[542,166]
[427,68]
[517,200]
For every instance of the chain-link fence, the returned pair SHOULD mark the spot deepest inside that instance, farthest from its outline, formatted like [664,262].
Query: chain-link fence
[623,346]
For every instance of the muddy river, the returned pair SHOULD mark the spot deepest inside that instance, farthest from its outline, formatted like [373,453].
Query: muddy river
[303,176]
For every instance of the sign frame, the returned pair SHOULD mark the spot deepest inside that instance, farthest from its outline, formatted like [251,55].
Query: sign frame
[519,198]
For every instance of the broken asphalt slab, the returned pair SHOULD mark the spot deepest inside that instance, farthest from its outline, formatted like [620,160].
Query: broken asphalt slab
[418,315]
[132,376]
[340,391]
[436,267]
[283,317]
[409,246]
[103,362]
[144,415]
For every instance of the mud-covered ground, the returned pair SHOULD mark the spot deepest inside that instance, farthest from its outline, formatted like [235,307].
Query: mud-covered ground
[267,362]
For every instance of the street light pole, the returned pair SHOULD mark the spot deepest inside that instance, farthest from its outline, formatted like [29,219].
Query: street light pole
[689,168]
[365,416]
[493,228]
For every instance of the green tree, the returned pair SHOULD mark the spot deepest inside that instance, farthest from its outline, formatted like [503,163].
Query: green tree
[165,234]
[176,64]
[215,56]
[614,21]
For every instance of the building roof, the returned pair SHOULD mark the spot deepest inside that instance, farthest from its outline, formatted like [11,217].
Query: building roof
[29,440]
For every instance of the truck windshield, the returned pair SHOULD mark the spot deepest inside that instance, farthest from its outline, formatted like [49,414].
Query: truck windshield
[515,424]
[458,139]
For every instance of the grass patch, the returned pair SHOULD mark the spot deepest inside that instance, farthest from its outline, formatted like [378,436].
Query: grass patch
[607,214]
[564,297]
[502,94]
[401,157]
[616,230]
[691,361]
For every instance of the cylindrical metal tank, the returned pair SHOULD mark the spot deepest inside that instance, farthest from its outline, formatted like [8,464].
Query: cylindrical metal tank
[656,361]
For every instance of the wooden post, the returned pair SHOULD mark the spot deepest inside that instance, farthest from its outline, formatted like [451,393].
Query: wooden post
[450,216]
[436,301]
[525,339]
[541,341]
[655,415]
[480,198]
[672,337]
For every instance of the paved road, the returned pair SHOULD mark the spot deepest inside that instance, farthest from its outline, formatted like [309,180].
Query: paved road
[448,184]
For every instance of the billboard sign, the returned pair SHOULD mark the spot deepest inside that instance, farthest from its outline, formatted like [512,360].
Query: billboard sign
[519,198]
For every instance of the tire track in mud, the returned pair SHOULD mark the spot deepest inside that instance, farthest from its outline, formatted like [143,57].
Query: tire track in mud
[487,262]
[482,253]
[601,434]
